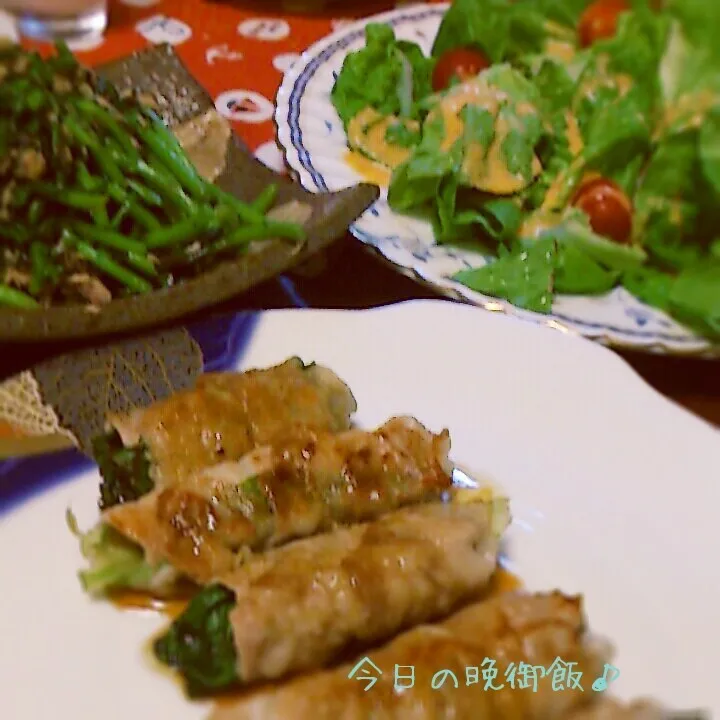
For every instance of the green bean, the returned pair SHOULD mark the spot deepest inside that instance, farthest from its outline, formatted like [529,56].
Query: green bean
[120,215]
[143,216]
[170,153]
[35,211]
[17,298]
[145,194]
[98,113]
[135,210]
[78,199]
[102,261]
[88,139]
[109,238]
[20,196]
[100,216]
[85,179]
[165,186]
[35,99]
[18,234]
[142,263]
[64,58]
[265,200]
[244,235]
[285,230]
[181,232]
[244,211]
[42,267]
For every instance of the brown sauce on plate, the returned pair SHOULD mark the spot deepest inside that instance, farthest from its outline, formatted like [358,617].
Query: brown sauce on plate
[128,600]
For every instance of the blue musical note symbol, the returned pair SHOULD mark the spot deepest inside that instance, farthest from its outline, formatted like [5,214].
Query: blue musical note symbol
[602,683]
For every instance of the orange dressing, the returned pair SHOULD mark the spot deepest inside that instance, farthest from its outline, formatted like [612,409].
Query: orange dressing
[369,170]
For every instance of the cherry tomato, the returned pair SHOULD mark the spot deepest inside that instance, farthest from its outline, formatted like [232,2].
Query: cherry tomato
[462,63]
[600,20]
[608,208]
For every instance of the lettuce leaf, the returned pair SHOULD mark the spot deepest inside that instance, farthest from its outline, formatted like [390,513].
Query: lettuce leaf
[525,278]
[568,258]
[389,75]
[695,298]
[502,30]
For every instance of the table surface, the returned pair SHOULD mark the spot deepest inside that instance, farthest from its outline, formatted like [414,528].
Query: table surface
[242,48]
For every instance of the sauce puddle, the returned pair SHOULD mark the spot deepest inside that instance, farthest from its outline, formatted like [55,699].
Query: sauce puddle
[143,602]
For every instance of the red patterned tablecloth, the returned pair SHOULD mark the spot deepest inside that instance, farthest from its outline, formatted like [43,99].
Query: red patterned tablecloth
[238,51]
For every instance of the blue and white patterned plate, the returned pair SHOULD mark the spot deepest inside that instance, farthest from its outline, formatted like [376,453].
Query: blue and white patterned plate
[613,491]
[315,145]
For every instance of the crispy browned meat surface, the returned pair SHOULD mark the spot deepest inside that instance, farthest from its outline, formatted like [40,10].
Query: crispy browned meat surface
[512,628]
[299,606]
[228,414]
[289,490]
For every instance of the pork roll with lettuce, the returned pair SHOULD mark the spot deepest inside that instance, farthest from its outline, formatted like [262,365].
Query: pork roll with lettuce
[220,419]
[299,607]
[206,525]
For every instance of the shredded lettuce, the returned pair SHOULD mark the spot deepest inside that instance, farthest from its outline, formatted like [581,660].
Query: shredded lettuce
[115,563]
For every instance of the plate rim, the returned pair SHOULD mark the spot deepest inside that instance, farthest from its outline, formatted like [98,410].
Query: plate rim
[297,156]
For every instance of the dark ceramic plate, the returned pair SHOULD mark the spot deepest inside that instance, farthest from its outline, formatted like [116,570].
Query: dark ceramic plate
[159,71]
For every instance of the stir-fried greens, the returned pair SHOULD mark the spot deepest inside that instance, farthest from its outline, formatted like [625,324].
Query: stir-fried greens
[576,144]
[97,197]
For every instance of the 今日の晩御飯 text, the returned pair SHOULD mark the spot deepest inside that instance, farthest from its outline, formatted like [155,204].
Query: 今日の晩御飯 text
[560,674]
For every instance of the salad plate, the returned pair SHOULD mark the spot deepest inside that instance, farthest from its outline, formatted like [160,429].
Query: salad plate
[315,141]
[587,453]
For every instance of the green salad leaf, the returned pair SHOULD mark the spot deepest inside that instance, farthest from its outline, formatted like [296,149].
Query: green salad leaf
[501,30]
[565,12]
[650,285]
[640,109]
[524,278]
[709,149]
[695,297]
[388,75]
[576,273]
[566,258]
[637,50]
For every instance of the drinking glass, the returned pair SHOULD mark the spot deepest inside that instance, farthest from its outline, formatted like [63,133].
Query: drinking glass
[58,19]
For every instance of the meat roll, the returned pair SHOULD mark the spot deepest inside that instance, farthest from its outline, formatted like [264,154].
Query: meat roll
[221,419]
[300,606]
[203,525]
[510,635]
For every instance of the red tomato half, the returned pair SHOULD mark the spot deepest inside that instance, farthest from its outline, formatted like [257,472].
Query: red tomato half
[463,64]
[608,208]
[600,20]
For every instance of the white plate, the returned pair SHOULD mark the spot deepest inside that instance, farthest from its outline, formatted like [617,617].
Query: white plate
[315,145]
[615,493]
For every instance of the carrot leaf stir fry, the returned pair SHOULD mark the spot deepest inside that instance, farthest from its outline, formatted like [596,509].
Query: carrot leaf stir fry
[575,144]
[97,197]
